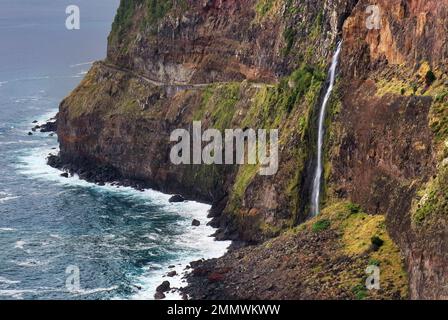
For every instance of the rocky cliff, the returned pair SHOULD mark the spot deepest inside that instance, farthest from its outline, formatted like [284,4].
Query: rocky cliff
[388,139]
[262,64]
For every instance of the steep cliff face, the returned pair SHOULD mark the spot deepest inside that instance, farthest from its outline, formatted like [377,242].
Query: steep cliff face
[262,64]
[229,64]
[388,139]
[213,41]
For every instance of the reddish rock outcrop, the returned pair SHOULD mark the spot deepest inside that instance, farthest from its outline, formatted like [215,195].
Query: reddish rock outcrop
[384,150]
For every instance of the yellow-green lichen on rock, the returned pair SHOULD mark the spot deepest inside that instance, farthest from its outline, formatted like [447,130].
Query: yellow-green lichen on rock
[358,231]
[433,199]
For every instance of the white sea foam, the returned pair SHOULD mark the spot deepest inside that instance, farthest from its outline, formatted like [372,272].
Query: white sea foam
[29,79]
[4,197]
[196,243]
[4,280]
[3,200]
[20,244]
[34,164]
[44,118]
[83,292]
[7,229]
[81,64]
[6,143]
[16,294]
[30,263]
[197,240]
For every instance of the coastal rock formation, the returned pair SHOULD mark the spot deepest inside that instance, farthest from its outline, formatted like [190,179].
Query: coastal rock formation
[262,64]
[388,137]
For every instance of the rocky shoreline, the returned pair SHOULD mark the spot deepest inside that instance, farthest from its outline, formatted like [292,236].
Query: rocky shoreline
[92,173]
[50,126]
[103,175]
[308,262]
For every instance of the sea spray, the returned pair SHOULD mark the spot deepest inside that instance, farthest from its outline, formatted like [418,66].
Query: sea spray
[188,244]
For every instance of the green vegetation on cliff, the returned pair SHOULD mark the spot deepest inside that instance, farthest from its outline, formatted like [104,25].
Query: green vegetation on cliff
[433,199]
[357,231]
[140,15]
[287,107]
[218,103]
[439,114]
[325,258]
[262,7]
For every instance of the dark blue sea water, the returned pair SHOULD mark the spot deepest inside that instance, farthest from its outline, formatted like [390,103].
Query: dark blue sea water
[119,238]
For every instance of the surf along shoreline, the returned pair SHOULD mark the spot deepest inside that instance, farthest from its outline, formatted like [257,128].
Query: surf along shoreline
[173,278]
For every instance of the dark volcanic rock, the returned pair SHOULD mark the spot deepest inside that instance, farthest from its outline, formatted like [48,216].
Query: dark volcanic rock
[54,161]
[196,223]
[99,174]
[215,277]
[176,198]
[171,274]
[50,126]
[164,287]
[159,295]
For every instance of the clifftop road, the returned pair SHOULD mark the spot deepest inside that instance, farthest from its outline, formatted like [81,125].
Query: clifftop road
[178,85]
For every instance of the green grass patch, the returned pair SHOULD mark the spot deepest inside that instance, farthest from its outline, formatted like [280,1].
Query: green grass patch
[354,208]
[321,225]
[360,291]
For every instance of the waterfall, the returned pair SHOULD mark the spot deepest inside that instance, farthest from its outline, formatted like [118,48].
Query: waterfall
[315,197]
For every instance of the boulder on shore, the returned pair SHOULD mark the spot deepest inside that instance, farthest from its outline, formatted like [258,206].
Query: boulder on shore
[195,223]
[171,274]
[159,295]
[164,287]
[176,198]
[50,126]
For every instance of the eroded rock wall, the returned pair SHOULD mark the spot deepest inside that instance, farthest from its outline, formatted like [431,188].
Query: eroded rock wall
[386,143]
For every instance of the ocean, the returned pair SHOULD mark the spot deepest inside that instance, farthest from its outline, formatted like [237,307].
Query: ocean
[122,241]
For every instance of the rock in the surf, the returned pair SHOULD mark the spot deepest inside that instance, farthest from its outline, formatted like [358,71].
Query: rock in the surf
[164,287]
[159,296]
[171,274]
[176,198]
